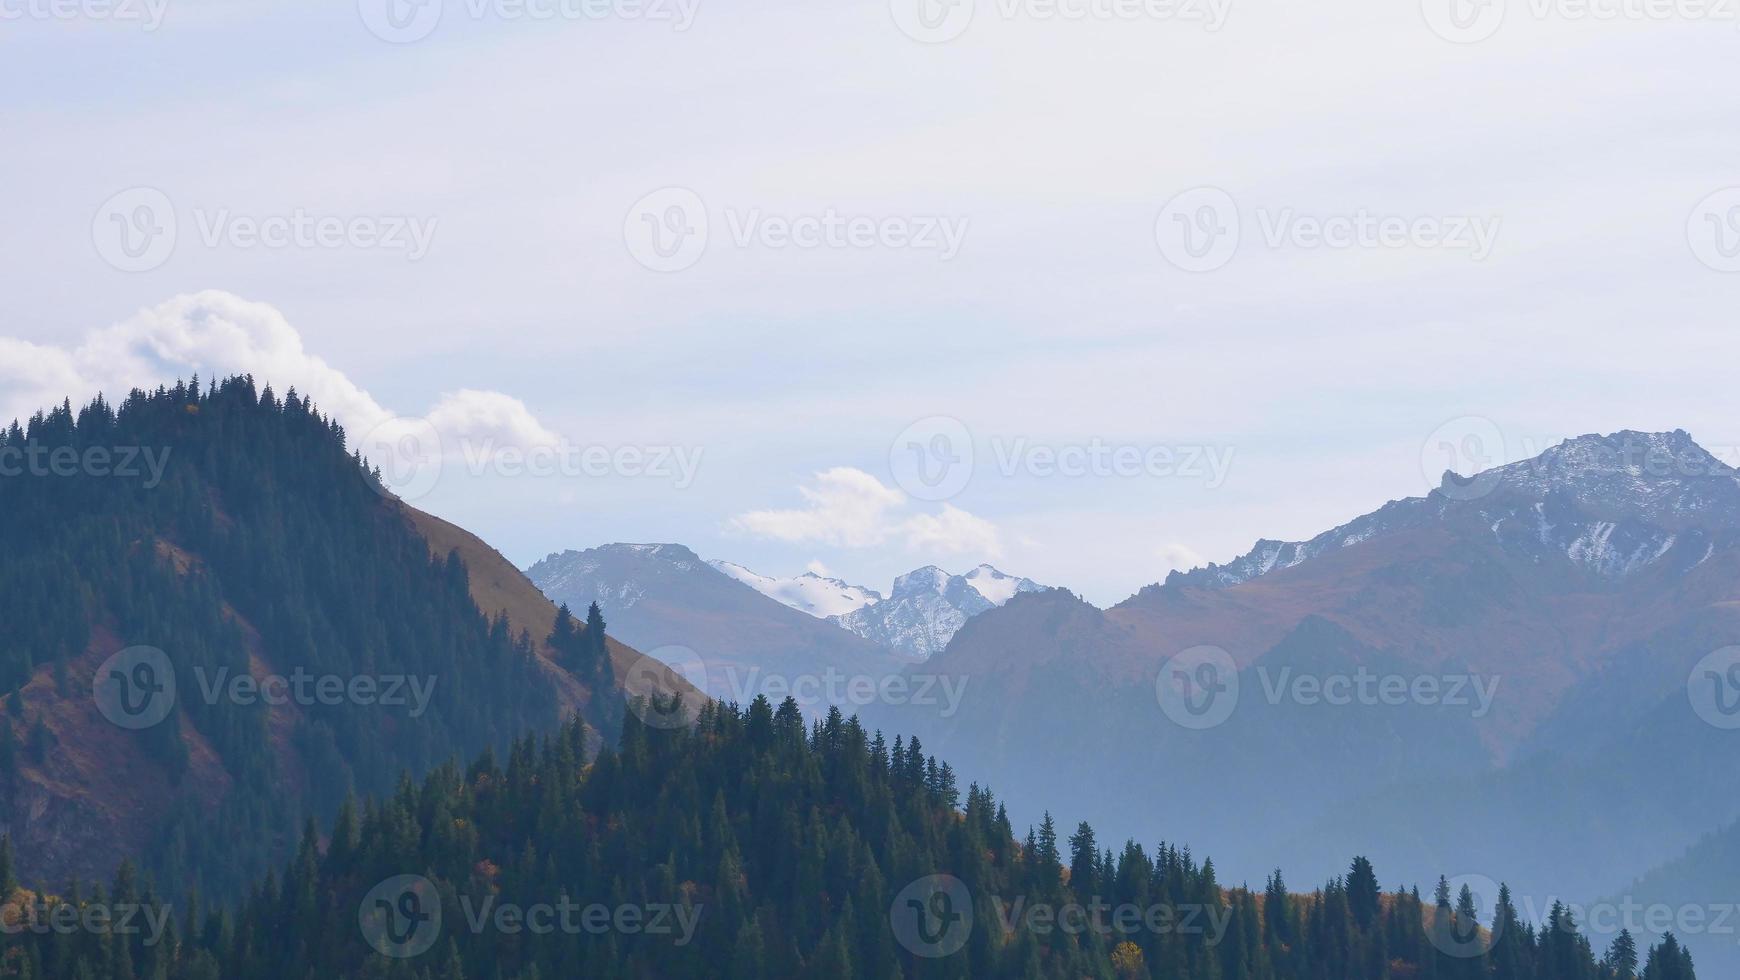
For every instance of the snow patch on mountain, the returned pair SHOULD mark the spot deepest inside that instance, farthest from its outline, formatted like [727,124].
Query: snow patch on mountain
[928,606]
[917,619]
[593,573]
[1613,505]
[821,596]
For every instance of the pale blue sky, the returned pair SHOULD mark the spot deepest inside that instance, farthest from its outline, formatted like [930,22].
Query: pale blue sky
[527,144]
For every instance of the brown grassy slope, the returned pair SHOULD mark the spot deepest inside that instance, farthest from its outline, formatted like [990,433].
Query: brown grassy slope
[497,586]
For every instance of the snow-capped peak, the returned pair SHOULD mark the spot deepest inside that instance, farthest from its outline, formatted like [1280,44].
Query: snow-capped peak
[1613,504]
[920,581]
[1661,477]
[917,618]
[998,587]
[820,596]
[674,553]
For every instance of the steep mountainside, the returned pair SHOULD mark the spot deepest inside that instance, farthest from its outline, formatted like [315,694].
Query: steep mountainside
[197,655]
[498,586]
[1578,589]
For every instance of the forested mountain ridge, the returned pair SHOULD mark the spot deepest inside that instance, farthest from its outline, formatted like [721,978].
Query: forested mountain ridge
[295,633]
[754,846]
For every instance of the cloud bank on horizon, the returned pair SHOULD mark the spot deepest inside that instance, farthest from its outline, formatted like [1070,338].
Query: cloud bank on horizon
[218,334]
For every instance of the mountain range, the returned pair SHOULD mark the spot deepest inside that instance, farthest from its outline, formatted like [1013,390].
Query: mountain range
[1565,609]
[1578,588]
[735,632]
[926,608]
[1558,604]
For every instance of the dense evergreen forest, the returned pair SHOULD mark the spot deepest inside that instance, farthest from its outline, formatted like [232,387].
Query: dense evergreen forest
[231,529]
[754,845]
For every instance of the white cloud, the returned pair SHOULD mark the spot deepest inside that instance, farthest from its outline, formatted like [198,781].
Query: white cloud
[850,508]
[953,531]
[1179,557]
[216,334]
[489,418]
